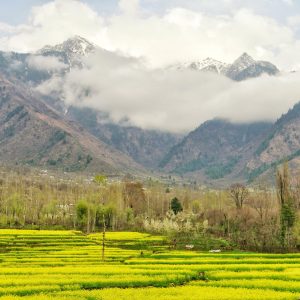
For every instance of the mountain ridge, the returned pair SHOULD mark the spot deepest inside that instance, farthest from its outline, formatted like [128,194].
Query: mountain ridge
[216,150]
[70,51]
[35,134]
[244,67]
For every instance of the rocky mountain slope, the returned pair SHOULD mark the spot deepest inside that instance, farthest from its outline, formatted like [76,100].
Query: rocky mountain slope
[219,149]
[282,142]
[32,133]
[147,147]
[216,149]
[16,65]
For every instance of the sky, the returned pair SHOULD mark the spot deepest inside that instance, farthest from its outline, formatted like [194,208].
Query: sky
[162,31]
[17,11]
[144,37]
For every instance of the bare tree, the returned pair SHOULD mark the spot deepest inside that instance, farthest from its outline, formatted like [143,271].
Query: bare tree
[239,193]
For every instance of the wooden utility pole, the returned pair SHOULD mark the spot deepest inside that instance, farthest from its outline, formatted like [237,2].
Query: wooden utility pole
[101,181]
[88,221]
[103,237]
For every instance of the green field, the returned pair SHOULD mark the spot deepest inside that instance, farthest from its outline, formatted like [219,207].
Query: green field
[68,265]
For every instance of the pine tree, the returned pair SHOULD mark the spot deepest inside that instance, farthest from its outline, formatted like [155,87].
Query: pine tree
[176,206]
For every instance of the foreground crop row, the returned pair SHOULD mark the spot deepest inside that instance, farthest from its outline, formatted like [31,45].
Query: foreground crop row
[68,265]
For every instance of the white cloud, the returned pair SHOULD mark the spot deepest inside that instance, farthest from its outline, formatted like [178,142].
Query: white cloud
[294,21]
[185,35]
[45,63]
[129,7]
[6,28]
[176,35]
[52,23]
[53,86]
[172,100]
[288,2]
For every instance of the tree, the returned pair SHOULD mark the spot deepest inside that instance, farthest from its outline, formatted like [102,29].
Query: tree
[135,197]
[287,205]
[82,214]
[176,206]
[100,179]
[239,193]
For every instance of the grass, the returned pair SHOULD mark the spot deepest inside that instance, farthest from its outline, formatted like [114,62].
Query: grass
[58,265]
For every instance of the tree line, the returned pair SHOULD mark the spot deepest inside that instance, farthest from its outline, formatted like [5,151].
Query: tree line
[261,218]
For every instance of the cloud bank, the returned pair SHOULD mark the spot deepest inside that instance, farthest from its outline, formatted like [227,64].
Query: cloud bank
[172,100]
[44,63]
[139,88]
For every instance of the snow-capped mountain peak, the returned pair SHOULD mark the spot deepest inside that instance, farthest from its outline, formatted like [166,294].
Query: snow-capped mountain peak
[70,51]
[246,67]
[242,68]
[76,45]
[243,62]
[208,64]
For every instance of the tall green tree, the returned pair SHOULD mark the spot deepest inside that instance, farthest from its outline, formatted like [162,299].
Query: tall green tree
[287,205]
[82,214]
[176,206]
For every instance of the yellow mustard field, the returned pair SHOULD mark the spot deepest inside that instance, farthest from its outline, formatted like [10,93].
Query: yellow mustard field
[68,265]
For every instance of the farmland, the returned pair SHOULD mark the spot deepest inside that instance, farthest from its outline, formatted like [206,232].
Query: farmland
[68,265]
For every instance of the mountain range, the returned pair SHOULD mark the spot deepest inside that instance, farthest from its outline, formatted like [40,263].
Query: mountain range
[242,68]
[42,131]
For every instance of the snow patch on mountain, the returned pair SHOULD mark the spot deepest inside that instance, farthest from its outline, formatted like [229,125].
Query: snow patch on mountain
[243,62]
[71,51]
[242,68]
[208,64]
